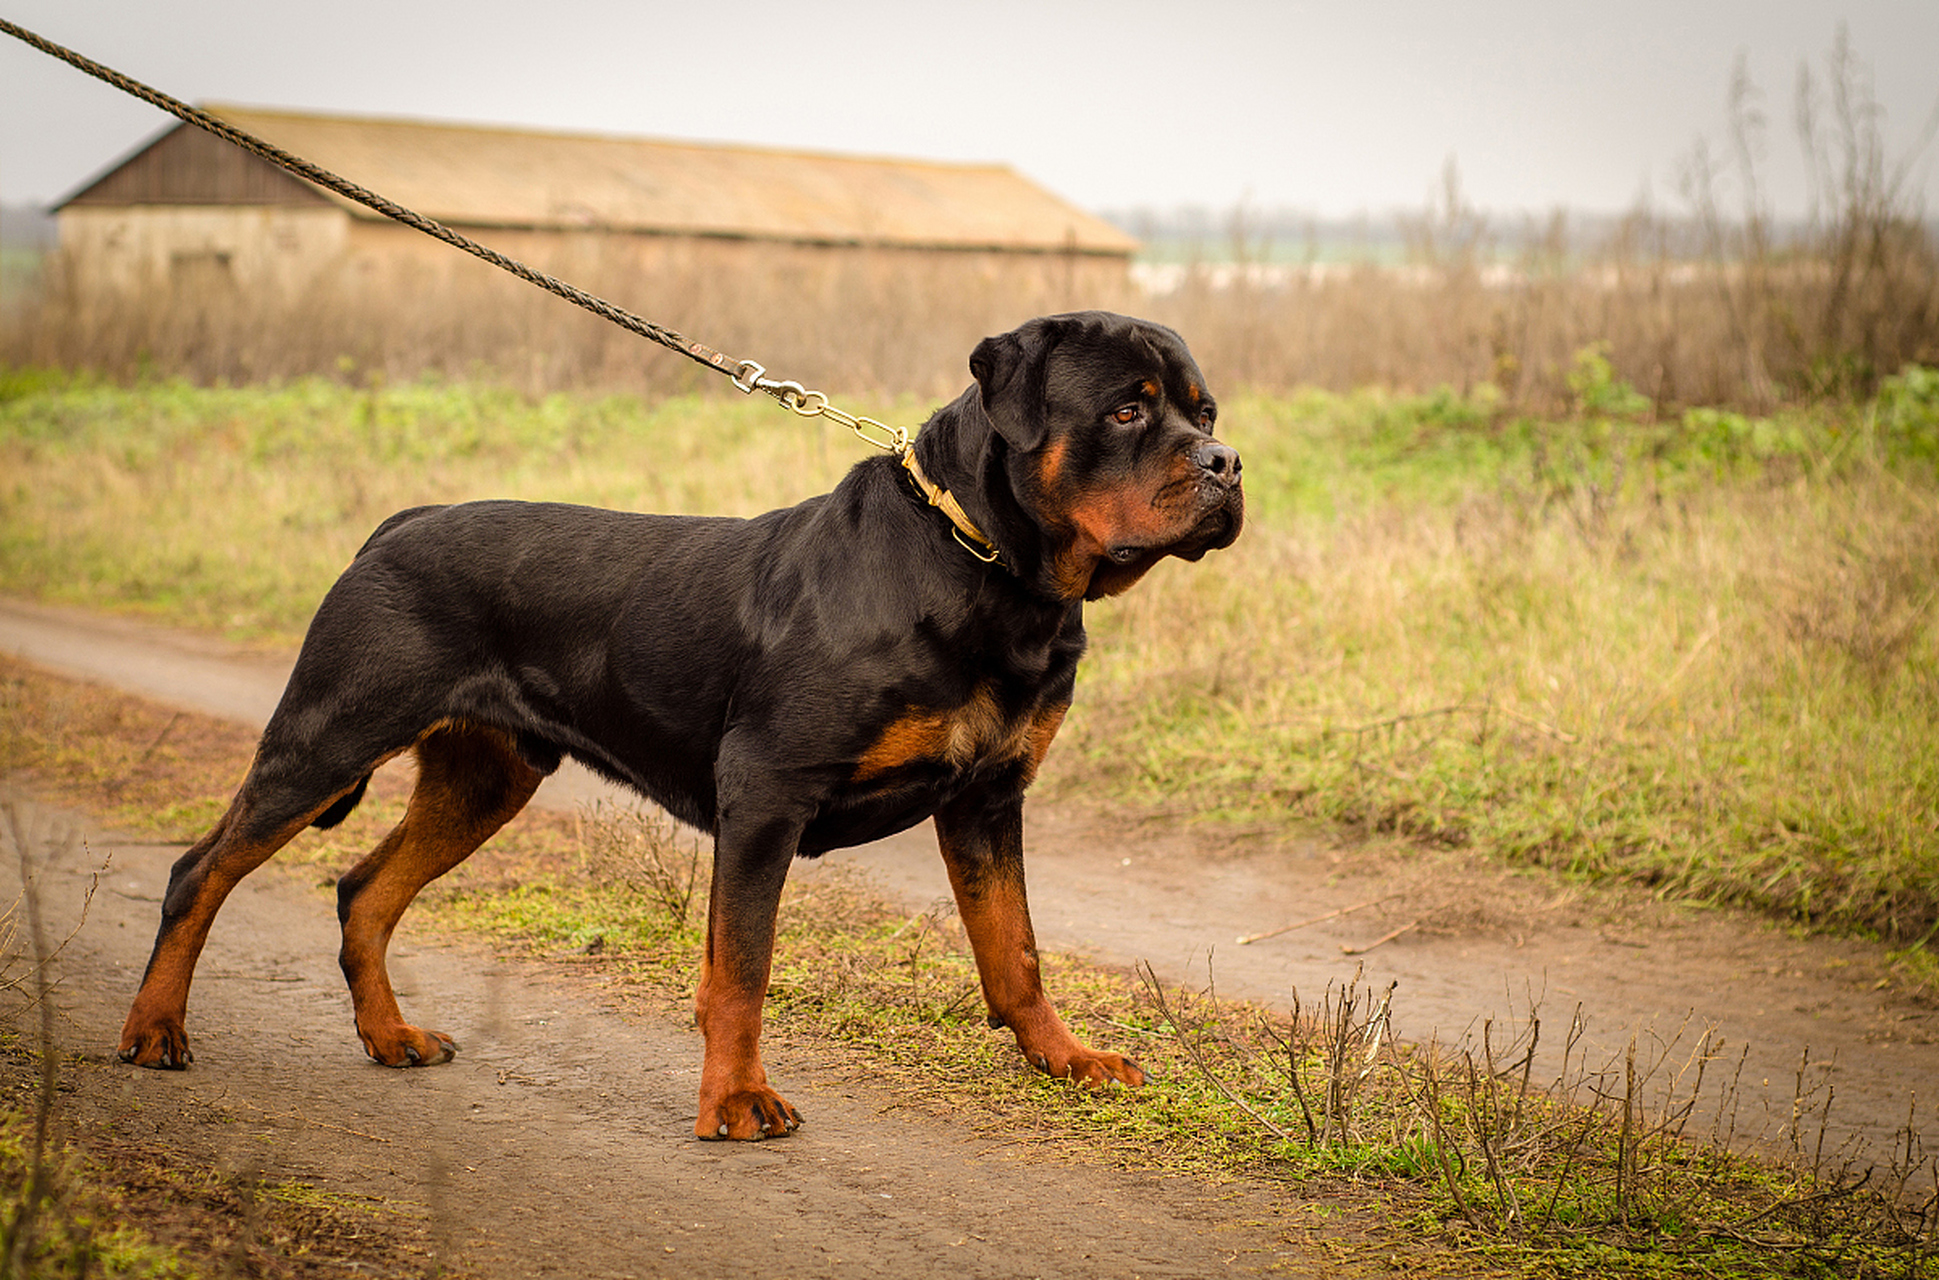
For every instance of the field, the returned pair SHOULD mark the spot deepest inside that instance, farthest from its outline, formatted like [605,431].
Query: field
[1694,651]
[1698,652]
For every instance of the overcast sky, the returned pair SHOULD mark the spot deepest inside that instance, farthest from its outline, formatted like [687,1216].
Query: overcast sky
[1330,108]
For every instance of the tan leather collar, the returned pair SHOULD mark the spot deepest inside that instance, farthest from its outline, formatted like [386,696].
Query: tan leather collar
[974,540]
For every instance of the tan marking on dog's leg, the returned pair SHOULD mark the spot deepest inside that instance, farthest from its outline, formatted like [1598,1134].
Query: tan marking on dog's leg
[1037,740]
[736,1100]
[470,783]
[986,873]
[156,1032]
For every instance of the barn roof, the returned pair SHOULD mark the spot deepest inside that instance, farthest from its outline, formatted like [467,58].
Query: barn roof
[475,176]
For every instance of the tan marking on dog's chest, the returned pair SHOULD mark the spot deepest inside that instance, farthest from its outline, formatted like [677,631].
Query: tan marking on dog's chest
[960,736]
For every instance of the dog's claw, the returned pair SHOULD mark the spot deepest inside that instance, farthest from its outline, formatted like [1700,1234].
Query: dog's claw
[166,1060]
[409,1047]
[748,1118]
[1080,1065]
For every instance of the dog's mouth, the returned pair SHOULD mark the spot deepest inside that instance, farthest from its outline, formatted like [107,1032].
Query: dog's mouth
[1187,518]
[1216,528]
[1214,531]
[1217,531]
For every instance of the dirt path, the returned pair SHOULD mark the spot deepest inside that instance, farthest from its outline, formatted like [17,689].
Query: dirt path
[557,1142]
[1484,939]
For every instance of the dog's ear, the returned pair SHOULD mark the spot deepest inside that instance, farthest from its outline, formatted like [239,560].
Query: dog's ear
[1009,373]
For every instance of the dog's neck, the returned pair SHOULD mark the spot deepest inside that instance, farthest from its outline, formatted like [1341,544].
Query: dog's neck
[974,540]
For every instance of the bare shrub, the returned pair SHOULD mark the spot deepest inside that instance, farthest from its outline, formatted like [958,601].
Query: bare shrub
[1852,296]
[1721,305]
[647,853]
[1590,1156]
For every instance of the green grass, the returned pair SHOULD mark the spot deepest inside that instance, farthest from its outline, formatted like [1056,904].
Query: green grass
[56,1220]
[1697,653]
[233,508]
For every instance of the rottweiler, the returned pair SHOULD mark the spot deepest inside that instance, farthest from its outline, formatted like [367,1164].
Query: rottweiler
[901,648]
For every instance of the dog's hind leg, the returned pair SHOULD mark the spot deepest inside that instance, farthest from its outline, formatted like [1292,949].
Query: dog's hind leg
[262,818]
[471,781]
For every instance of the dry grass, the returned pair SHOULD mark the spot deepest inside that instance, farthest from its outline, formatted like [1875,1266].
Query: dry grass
[1668,324]
[1705,330]
[1666,652]
[867,321]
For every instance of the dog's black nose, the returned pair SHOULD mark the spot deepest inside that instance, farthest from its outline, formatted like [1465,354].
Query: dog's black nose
[1219,459]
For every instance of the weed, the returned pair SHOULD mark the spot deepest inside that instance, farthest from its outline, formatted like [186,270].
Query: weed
[1600,1168]
[646,853]
[1631,1167]
[1597,1170]
[53,1221]
[115,1209]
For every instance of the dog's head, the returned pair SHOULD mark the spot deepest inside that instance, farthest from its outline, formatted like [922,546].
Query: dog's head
[1089,437]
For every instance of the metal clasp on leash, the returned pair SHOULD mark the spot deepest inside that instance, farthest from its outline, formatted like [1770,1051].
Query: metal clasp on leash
[750,377]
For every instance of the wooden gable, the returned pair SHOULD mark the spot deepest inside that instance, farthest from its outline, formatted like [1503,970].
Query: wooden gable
[188,166]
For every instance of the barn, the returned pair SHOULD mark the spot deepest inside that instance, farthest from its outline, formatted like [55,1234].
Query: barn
[688,234]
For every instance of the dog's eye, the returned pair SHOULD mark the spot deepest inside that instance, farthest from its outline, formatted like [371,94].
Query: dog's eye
[1127,415]
[1206,417]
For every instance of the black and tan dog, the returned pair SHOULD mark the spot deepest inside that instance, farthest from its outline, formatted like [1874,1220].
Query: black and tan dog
[806,680]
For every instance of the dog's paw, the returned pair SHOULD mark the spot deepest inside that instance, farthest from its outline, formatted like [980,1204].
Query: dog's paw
[1089,1067]
[746,1115]
[408,1046]
[164,1047]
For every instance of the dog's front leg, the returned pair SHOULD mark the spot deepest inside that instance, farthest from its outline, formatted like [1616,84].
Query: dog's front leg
[750,864]
[982,845]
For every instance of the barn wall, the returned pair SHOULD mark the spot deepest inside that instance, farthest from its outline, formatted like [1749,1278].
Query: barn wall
[188,166]
[249,250]
[585,257]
